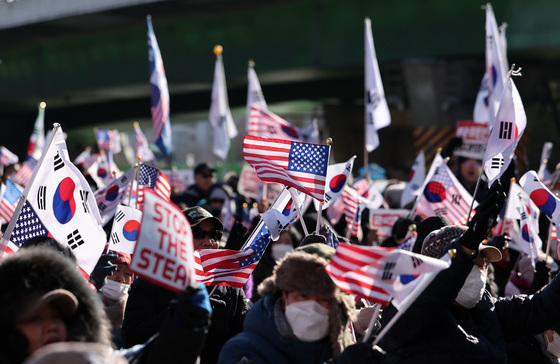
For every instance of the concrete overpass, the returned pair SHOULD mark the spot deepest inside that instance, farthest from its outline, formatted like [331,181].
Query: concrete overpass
[88,61]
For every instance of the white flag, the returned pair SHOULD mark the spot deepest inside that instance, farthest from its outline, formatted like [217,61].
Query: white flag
[254,92]
[414,181]
[506,132]
[220,114]
[125,229]
[491,88]
[377,110]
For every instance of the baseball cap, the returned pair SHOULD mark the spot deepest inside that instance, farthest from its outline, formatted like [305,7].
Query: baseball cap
[64,300]
[197,214]
[203,167]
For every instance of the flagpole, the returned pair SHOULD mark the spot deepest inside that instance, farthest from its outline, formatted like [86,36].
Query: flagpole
[23,197]
[320,209]
[374,317]
[135,178]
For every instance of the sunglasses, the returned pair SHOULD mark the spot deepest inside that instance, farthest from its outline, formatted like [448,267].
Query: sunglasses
[200,234]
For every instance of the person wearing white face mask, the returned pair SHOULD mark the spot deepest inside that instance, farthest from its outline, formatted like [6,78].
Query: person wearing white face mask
[454,319]
[302,318]
[114,294]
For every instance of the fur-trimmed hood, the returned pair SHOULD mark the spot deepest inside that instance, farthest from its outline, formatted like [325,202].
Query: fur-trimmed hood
[40,270]
[303,272]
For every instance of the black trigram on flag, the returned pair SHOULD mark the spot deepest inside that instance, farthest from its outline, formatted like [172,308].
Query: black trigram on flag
[119,216]
[388,270]
[58,162]
[101,206]
[416,262]
[505,130]
[74,239]
[42,198]
[115,238]
[496,162]
[84,197]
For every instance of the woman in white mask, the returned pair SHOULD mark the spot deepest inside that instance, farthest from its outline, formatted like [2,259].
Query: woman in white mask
[302,318]
[114,294]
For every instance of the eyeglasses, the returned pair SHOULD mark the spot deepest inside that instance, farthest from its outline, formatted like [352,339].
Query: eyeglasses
[200,234]
[207,175]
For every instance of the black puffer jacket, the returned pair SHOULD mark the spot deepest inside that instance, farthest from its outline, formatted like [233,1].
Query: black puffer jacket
[434,330]
[148,304]
[40,270]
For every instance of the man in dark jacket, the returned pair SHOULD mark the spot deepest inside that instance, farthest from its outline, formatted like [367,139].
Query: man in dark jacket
[148,303]
[454,320]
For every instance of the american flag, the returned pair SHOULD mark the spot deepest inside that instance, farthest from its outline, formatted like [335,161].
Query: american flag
[108,139]
[351,210]
[302,166]
[231,267]
[160,93]
[265,123]
[443,195]
[332,240]
[377,273]
[25,172]
[28,225]
[155,179]
[9,201]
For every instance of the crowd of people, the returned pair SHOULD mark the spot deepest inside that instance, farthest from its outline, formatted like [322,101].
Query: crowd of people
[493,304]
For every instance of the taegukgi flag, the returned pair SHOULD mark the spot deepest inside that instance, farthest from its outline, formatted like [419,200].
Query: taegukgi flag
[62,200]
[125,230]
[506,132]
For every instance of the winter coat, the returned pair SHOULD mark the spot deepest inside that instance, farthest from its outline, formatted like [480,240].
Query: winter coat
[268,338]
[148,304]
[434,330]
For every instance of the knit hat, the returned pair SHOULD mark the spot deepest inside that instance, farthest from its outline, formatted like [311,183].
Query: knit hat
[437,240]
[428,225]
[303,272]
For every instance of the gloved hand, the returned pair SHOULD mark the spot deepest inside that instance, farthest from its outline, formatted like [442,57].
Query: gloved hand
[485,218]
[541,277]
[500,241]
[453,144]
[102,269]
[360,353]
[235,238]
[192,308]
